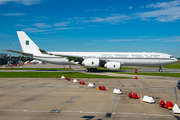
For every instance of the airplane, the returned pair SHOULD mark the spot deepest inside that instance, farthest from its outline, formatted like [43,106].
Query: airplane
[93,60]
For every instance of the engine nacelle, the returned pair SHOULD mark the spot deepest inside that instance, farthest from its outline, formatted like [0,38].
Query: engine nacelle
[113,65]
[91,63]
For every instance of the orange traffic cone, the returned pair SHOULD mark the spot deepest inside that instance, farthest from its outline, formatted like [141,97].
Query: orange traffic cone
[141,99]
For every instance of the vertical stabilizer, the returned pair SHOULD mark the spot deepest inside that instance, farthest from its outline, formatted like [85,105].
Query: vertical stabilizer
[27,44]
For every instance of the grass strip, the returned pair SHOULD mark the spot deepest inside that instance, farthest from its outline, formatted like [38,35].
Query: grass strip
[172,66]
[52,75]
[45,69]
[154,74]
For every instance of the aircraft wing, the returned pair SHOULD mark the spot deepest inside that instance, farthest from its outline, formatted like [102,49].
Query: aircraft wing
[75,57]
[69,57]
[22,53]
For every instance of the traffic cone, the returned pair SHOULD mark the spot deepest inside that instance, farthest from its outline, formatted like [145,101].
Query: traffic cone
[103,88]
[141,99]
[136,77]
[83,83]
[100,87]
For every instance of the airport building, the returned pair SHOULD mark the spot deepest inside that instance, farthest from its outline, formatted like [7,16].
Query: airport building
[3,59]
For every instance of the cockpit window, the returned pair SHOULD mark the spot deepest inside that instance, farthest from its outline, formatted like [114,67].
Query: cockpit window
[171,56]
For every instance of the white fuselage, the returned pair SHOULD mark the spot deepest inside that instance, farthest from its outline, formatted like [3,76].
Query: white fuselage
[110,60]
[125,58]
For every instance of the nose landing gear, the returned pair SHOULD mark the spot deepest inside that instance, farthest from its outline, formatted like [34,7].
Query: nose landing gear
[160,69]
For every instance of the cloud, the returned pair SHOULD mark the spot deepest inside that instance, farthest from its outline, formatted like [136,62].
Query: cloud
[64,28]
[142,6]
[130,7]
[31,30]
[89,44]
[95,10]
[161,39]
[42,17]
[144,19]
[161,11]
[144,38]
[7,35]
[112,19]
[61,24]
[20,25]
[13,14]
[42,25]
[48,31]
[69,28]
[118,40]
[172,41]
[165,11]
[164,4]
[123,40]
[24,2]
[78,18]
[164,15]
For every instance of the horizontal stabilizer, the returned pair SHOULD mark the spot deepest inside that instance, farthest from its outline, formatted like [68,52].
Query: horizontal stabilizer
[22,53]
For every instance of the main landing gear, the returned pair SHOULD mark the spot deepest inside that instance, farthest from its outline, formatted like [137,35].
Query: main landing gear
[160,69]
[91,69]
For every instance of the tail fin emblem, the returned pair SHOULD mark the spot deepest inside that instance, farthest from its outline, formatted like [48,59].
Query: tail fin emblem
[27,42]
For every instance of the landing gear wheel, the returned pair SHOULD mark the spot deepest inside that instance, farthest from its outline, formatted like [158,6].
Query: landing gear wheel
[91,69]
[87,70]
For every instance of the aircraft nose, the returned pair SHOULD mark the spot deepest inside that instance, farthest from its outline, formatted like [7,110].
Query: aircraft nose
[176,59]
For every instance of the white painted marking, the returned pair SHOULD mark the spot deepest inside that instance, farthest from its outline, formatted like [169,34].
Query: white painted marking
[129,113]
[143,114]
[22,111]
[71,111]
[159,115]
[66,111]
[96,112]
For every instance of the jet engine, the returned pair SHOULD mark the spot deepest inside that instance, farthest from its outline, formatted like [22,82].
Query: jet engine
[91,63]
[113,65]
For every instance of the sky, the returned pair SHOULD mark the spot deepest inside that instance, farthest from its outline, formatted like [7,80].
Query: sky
[93,25]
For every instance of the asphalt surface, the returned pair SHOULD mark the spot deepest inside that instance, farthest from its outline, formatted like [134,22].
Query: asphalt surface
[55,98]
